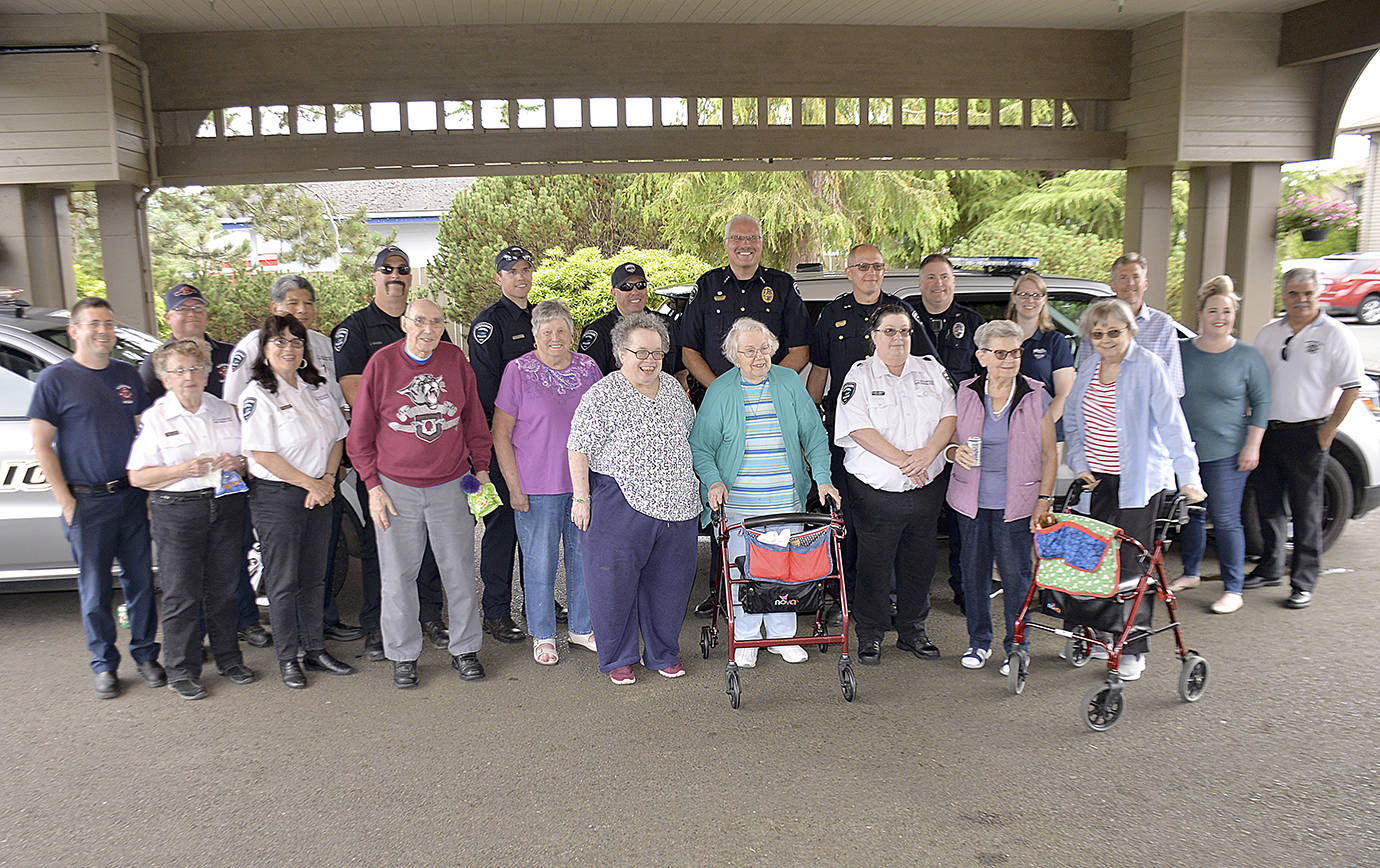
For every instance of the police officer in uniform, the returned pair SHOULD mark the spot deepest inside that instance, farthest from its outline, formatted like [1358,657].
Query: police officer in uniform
[951,327]
[184,310]
[842,338]
[500,333]
[629,297]
[355,340]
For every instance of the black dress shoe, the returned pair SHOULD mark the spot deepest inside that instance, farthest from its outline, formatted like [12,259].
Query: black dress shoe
[920,646]
[152,673]
[341,632]
[404,674]
[107,685]
[256,636]
[436,633]
[322,661]
[293,676]
[373,645]
[186,688]
[239,673]
[468,666]
[562,613]
[504,629]
[870,652]
[706,606]
[1255,580]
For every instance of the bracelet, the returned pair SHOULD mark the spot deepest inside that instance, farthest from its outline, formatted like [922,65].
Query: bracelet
[1048,497]
[947,457]
[579,499]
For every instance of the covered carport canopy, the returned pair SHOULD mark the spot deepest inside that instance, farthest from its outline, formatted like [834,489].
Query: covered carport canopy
[241,92]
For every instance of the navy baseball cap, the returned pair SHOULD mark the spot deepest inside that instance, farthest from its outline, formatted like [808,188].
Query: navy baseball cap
[626,272]
[510,256]
[180,293]
[388,251]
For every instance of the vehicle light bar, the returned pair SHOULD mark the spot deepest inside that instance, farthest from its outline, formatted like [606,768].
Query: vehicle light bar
[995,263]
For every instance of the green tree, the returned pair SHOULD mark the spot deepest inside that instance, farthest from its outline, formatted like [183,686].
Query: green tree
[581,278]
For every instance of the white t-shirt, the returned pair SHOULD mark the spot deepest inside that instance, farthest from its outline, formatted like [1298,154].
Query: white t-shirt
[170,434]
[246,353]
[905,409]
[301,424]
[1324,358]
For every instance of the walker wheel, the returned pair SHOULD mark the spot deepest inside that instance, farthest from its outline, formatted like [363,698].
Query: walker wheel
[1103,707]
[734,689]
[704,642]
[848,681]
[1193,677]
[1078,651]
[1015,672]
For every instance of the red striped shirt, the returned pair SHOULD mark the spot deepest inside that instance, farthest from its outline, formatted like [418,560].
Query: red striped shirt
[1099,416]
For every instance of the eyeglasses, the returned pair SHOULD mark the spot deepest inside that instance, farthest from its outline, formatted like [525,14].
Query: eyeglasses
[97,325]
[434,321]
[891,333]
[400,269]
[177,372]
[868,266]
[644,355]
[284,343]
[1109,334]
[744,238]
[754,352]
[1030,295]
[632,286]
[1003,354]
[189,307]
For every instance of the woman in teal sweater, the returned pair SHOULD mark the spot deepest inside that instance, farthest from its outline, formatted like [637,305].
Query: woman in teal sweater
[754,434]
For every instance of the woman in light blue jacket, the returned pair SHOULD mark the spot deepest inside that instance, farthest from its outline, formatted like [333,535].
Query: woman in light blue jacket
[1127,438]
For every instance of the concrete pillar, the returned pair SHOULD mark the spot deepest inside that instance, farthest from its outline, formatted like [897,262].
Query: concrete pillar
[1149,215]
[125,253]
[1205,248]
[36,244]
[1255,189]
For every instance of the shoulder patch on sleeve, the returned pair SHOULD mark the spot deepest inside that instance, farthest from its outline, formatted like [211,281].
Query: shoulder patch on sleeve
[587,339]
[845,395]
[482,331]
[247,408]
[342,335]
[236,359]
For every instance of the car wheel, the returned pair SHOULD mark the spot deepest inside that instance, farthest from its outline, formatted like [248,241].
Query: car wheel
[1338,503]
[1368,311]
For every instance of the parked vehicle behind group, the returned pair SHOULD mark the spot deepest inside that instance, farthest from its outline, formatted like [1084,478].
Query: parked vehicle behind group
[1349,285]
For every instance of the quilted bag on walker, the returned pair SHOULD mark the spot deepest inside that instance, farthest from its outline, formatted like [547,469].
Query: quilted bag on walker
[1078,555]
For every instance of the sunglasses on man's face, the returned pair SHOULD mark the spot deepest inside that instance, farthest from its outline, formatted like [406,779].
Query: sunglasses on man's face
[632,286]
[400,269]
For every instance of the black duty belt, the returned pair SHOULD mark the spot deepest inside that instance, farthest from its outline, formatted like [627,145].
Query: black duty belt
[100,488]
[198,494]
[1276,425]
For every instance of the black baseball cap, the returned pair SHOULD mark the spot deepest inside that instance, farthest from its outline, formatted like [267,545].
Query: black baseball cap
[388,251]
[180,293]
[626,272]
[510,256]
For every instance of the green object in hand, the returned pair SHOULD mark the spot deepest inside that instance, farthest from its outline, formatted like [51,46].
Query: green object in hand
[485,500]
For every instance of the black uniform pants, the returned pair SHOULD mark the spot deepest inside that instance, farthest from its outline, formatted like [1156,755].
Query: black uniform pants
[894,527]
[1137,523]
[1292,465]
[294,541]
[498,551]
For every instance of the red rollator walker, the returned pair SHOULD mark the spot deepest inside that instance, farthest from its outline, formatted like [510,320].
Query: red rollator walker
[1078,578]
[781,575]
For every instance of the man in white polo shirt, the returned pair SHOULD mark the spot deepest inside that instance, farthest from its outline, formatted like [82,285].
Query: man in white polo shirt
[1316,372]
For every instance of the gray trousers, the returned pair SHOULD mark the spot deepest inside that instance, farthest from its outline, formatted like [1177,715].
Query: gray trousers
[442,513]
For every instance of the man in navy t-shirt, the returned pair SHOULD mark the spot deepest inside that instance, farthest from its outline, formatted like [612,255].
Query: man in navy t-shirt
[84,415]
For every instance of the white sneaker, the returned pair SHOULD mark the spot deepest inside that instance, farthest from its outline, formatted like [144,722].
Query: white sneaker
[974,658]
[790,653]
[1228,603]
[1097,652]
[1006,666]
[1131,666]
[746,658]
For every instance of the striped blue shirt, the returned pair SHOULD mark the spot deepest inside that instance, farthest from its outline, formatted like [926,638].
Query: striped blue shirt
[763,484]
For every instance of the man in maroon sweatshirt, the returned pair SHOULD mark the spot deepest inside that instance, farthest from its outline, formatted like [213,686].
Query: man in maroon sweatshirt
[416,429]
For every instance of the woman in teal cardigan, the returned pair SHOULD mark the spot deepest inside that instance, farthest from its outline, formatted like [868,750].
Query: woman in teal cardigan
[755,432]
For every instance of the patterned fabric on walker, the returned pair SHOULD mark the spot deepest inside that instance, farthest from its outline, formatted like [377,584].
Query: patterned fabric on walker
[1078,555]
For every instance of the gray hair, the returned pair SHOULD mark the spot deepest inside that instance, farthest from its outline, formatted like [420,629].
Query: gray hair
[738,218]
[545,311]
[1131,257]
[288,282]
[1106,309]
[1299,275]
[634,321]
[994,330]
[192,348]
[735,332]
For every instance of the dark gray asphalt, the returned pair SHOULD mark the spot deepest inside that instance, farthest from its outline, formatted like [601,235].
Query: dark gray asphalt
[932,765]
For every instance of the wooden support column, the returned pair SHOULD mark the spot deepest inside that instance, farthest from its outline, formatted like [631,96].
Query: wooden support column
[1205,250]
[1149,214]
[125,252]
[1255,191]
[36,244]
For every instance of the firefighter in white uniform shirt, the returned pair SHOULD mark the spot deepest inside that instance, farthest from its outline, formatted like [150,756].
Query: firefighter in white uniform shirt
[896,412]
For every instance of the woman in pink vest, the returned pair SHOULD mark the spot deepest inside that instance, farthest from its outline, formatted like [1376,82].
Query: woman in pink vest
[1000,490]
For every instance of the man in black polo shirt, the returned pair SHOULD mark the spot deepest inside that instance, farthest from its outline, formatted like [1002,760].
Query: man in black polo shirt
[629,297]
[355,340]
[500,333]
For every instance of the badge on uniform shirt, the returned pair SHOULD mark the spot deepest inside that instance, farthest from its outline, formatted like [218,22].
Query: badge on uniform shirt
[237,358]
[482,332]
[721,297]
[127,394]
[767,295]
[1039,352]
[249,404]
[587,339]
[959,331]
[840,323]
[518,337]
[848,389]
[342,334]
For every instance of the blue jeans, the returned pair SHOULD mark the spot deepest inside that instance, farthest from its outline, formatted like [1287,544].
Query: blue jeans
[541,531]
[988,538]
[1225,486]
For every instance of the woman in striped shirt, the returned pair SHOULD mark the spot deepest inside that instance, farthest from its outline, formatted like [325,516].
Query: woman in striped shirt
[1127,438]
[755,431]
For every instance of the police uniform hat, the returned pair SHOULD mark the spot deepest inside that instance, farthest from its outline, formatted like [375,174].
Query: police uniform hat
[626,272]
[510,256]
[388,251]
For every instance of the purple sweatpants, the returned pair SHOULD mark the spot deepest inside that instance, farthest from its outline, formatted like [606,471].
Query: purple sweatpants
[638,574]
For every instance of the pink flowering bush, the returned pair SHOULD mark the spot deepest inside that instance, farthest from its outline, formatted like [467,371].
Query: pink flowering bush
[1304,211]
